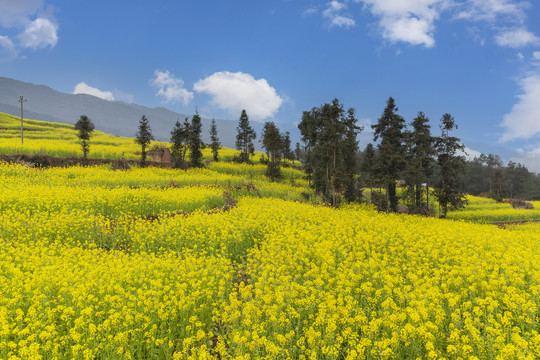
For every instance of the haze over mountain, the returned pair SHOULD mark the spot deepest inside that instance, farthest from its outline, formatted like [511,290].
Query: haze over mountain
[113,117]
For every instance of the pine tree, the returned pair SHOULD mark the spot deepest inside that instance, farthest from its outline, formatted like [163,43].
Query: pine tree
[420,156]
[325,131]
[349,154]
[215,144]
[287,152]
[452,166]
[85,127]
[244,138]
[272,142]
[179,140]
[144,137]
[195,142]
[390,129]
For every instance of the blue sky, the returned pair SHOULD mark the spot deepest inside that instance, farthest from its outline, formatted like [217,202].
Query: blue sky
[476,59]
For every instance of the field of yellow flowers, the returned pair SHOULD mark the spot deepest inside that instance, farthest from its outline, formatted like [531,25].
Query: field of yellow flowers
[220,263]
[486,210]
[55,139]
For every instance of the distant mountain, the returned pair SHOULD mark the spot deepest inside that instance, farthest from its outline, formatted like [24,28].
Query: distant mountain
[112,117]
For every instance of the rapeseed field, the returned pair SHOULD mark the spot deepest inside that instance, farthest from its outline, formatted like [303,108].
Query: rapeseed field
[220,263]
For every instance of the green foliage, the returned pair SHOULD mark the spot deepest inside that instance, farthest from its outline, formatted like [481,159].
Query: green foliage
[390,130]
[144,137]
[272,142]
[179,140]
[215,144]
[195,142]
[420,158]
[452,166]
[244,138]
[85,127]
[330,137]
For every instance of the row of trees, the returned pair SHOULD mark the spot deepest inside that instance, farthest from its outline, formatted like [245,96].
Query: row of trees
[487,175]
[329,134]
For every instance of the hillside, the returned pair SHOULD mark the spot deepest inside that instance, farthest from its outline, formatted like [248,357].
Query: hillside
[112,117]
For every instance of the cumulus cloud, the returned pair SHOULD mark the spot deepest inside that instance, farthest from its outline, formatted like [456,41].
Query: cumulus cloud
[39,33]
[407,21]
[536,55]
[523,121]
[84,88]
[334,14]
[516,38]
[236,91]
[171,89]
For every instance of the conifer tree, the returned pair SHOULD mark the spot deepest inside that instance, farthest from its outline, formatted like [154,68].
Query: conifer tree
[390,129]
[244,138]
[215,144]
[349,154]
[452,166]
[85,127]
[287,152]
[179,140]
[325,129]
[420,160]
[195,142]
[144,137]
[272,142]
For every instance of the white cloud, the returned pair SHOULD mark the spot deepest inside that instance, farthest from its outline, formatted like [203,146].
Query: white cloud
[7,49]
[333,14]
[407,21]
[520,56]
[491,10]
[40,33]
[536,55]
[523,121]
[14,13]
[516,38]
[35,34]
[170,87]
[236,91]
[84,88]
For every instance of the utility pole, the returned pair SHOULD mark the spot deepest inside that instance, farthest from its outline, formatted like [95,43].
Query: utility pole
[22,100]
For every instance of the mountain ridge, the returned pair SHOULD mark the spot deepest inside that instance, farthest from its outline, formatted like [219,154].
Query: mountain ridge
[112,117]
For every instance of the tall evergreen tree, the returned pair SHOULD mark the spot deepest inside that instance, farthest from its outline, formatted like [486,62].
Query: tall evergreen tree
[144,137]
[390,129]
[179,140]
[287,152]
[324,130]
[421,157]
[309,130]
[85,127]
[215,144]
[448,189]
[195,142]
[349,154]
[244,138]
[272,142]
